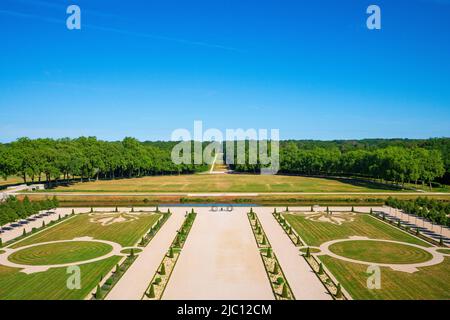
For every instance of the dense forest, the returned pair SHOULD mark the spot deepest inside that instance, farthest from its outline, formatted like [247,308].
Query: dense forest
[88,158]
[397,161]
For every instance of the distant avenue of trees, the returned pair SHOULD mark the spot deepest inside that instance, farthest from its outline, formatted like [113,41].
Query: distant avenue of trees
[88,158]
[397,161]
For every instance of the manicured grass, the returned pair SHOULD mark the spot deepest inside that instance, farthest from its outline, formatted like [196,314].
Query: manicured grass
[60,253]
[380,252]
[10,180]
[446,251]
[52,284]
[126,233]
[428,283]
[128,251]
[311,250]
[226,183]
[2,251]
[314,233]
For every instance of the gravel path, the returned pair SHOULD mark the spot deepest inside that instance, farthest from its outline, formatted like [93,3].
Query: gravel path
[304,283]
[220,260]
[135,281]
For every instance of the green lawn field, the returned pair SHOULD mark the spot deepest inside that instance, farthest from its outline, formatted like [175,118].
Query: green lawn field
[428,283]
[381,252]
[431,282]
[315,233]
[225,183]
[125,233]
[60,253]
[51,284]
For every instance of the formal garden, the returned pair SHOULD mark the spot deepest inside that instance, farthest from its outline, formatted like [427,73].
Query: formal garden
[344,244]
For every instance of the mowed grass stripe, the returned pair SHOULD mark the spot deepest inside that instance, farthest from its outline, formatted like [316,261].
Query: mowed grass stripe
[60,253]
[380,252]
[314,233]
[428,283]
[126,233]
[52,284]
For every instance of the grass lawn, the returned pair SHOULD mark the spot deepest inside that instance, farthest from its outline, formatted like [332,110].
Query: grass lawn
[51,284]
[380,252]
[226,183]
[446,251]
[60,253]
[314,233]
[11,180]
[428,283]
[126,233]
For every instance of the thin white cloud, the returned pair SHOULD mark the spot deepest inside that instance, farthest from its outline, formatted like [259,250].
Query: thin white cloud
[123,32]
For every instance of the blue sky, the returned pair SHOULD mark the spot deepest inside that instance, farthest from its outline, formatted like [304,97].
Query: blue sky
[144,68]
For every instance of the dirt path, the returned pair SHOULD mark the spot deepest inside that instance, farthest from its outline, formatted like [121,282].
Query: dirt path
[304,283]
[134,282]
[220,260]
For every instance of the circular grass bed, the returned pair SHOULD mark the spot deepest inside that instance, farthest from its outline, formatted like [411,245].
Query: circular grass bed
[60,253]
[444,251]
[380,252]
[2,251]
[128,251]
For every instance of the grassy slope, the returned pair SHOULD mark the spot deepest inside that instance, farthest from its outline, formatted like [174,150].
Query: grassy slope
[428,283]
[315,233]
[225,183]
[51,284]
[124,233]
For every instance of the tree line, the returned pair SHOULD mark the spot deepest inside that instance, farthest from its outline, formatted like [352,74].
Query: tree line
[435,211]
[88,158]
[12,209]
[395,164]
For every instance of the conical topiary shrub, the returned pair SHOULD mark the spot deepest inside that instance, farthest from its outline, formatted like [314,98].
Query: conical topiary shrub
[162,271]
[98,293]
[263,241]
[171,253]
[339,291]
[275,268]
[269,253]
[321,268]
[284,291]
[308,252]
[151,292]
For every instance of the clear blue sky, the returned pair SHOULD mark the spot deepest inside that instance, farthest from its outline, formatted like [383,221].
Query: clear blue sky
[144,68]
